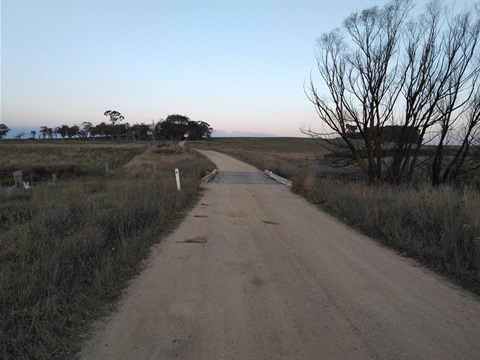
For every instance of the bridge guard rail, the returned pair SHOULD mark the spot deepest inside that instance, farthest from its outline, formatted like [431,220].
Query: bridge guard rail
[208,177]
[278,178]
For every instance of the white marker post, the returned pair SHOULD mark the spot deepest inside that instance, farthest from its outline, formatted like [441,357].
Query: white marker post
[177,177]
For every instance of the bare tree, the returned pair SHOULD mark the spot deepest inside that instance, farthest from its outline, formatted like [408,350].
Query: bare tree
[403,80]
[467,156]
[364,83]
[460,45]
[423,74]
[441,80]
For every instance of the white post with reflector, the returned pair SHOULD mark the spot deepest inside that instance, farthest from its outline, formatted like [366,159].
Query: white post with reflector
[177,177]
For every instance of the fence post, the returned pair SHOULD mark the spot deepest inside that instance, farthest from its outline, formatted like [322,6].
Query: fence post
[177,177]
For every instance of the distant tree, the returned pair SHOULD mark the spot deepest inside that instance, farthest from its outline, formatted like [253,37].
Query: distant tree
[3,130]
[114,117]
[174,127]
[82,134]
[94,133]
[140,131]
[144,131]
[157,129]
[103,130]
[44,131]
[199,130]
[73,131]
[152,131]
[87,128]
[63,130]
[120,131]
[20,135]
[33,134]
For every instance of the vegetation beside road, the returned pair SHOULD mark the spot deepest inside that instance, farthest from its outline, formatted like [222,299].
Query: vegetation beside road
[67,249]
[438,226]
[39,160]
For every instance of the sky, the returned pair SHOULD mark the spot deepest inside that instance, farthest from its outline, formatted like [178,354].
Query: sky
[240,66]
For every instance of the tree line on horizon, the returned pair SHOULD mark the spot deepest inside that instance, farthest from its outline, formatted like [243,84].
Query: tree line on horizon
[174,128]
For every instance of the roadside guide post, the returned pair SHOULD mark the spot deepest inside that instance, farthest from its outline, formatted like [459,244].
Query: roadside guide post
[177,177]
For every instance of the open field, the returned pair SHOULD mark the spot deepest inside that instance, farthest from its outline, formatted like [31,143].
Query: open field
[268,144]
[440,227]
[39,160]
[68,249]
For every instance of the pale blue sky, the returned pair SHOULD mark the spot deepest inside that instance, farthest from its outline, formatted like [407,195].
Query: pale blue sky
[238,65]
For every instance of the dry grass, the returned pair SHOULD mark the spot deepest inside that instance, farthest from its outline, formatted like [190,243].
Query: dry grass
[39,161]
[68,249]
[438,226]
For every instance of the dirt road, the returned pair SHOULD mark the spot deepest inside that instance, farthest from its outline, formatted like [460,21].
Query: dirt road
[255,272]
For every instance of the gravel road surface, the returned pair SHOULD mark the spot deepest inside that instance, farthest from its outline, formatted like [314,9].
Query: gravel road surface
[256,272]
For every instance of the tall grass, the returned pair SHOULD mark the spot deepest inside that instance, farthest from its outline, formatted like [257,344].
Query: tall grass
[438,226]
[67,249]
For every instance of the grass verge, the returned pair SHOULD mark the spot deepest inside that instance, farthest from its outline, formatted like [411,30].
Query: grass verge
[68,249]
[440,227]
